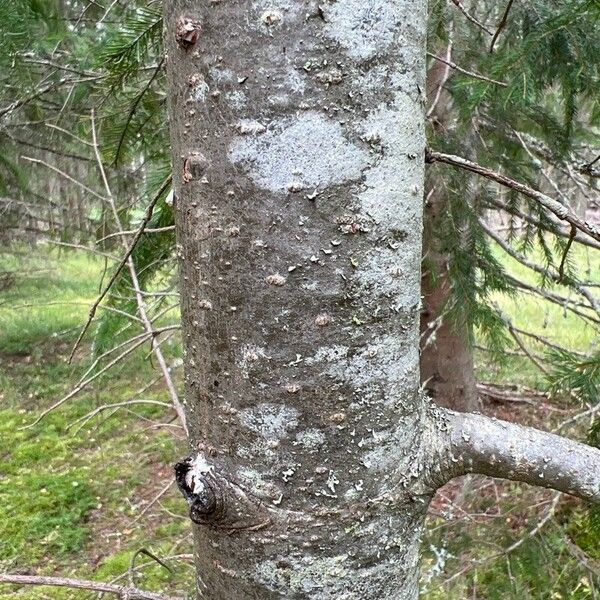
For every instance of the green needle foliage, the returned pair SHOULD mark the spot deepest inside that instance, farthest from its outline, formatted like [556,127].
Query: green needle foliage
[152,259]
[548,58]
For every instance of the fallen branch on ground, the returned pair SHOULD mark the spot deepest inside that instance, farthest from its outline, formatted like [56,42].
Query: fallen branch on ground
[125,592]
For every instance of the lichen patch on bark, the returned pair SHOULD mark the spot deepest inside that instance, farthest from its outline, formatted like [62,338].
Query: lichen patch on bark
[308,149]
[270,421]
[364,28]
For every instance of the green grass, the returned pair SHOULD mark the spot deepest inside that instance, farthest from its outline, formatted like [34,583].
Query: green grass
[69,495]
[51,296]
[543,318]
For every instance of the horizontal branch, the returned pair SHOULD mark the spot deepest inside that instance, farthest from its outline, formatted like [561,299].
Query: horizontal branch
[456,67]
[560,210]
[124,592]
[475,443]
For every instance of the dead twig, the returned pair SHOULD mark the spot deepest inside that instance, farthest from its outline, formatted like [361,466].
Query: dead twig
[501,25]
[153,502]
[561,268]
[470,17]
[141,306]
[131,572]
[130,249]
[124,592]
[78,388]
[454,66]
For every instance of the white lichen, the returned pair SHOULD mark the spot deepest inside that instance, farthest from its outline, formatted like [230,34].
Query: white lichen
[385,362]
[250,127]
[364,28]
[308,149]
[310,439]
[270,421]
[250,354]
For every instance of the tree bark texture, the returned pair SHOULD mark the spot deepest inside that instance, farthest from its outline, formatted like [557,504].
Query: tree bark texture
[298,156]
[297,132]
[447,365]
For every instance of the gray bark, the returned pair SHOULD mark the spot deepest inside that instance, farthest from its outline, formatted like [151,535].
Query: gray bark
[478,444]
[298,148]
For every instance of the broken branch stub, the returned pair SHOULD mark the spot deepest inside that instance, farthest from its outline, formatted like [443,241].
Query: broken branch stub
[187,32]
[215,500]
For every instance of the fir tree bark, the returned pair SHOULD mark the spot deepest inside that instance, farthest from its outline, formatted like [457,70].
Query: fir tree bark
[298,153]
[447,364]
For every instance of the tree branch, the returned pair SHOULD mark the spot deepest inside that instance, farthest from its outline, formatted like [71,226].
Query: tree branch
[475,443]
[470,17]
[560,210]
[454,66]
[124,592]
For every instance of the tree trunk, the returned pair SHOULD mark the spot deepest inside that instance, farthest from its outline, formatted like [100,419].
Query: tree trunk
[447,365]
[298,155]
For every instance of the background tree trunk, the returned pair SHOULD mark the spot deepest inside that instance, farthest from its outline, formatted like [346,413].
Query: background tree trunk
[447,365]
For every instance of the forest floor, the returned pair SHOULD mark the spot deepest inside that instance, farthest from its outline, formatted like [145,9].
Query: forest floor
[80,497]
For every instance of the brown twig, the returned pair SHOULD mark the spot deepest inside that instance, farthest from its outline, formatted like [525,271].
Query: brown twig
[470,17]
[502,24]
[454,66]
[133,232]
[131,572]
[561,268]
[588,168]
[440,80]
[90,415]
[524,348]
[66,176]
[497,204]
[562,301]
[125,592]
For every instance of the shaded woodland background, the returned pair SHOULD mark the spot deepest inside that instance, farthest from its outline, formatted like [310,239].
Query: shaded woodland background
[89,400]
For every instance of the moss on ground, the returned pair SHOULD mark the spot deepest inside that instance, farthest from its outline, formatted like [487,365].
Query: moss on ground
[71,495]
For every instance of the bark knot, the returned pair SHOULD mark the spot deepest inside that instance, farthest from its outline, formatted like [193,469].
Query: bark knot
[187,32]
[217,501]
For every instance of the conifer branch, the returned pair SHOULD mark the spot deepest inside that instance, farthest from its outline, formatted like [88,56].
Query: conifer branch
[474,443]
[560,210]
